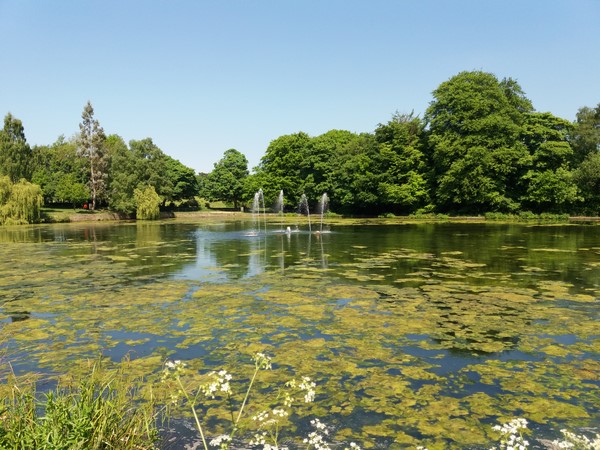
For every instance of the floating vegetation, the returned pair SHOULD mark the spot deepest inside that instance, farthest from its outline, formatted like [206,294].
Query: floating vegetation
[426,344]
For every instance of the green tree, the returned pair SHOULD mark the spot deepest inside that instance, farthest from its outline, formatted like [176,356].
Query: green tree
[356,177]
[587,179]
[123,176]
[20,202]
[70,190]
[403,184]
[183,179]
[226,181]
[320,161]
[585,137]
[475,125]
[549,183]
[61,172]
[147,203]
[151,167]
[91,147]
[15,153]
[282,165]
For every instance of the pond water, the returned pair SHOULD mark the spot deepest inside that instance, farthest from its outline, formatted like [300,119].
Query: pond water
[415,333]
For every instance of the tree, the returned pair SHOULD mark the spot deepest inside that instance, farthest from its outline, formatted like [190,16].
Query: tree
[320,161]
[151,167]
[548,184]
[403,185]
[183,179]
[281,166]
[147,203]
[60,172]
[356,177]
[15,153]
[123,177]
[585,137]
[20,202]
[226,181]
[587,178]
[475,125]
[91,147]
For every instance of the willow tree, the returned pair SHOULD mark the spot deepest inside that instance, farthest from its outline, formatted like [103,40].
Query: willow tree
[147,203]
[91,146]
[20,203]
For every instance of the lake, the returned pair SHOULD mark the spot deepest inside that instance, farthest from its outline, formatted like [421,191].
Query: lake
[416,333]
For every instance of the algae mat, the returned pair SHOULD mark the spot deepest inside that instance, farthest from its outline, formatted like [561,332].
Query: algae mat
[420,334]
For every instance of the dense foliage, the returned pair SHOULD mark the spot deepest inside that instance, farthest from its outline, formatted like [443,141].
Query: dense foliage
[480,148]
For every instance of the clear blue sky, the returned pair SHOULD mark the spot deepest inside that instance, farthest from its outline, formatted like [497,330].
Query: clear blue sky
[202,76]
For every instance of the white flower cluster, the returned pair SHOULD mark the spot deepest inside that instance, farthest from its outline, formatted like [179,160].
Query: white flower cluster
[218,385]
[353,446]
[172,369]
[316,438]
[221,441]
[260,438]
[262,361]
[512,438]
[573,440]
[308,387]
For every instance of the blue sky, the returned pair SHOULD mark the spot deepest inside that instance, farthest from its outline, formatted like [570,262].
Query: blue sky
[200,77]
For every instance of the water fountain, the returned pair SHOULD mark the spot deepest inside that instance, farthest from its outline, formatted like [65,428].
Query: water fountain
[259,199]
[279,209]
[323,204]
[303,207]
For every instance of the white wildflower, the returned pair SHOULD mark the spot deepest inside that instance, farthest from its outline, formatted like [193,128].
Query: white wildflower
[221,441]
[262,361]
[308,387]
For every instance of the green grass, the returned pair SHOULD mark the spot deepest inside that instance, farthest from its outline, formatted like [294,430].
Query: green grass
[105,409]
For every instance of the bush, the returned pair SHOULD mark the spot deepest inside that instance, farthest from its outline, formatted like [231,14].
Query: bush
[147,203]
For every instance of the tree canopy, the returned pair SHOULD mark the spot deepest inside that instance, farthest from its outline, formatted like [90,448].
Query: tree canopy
[480,147]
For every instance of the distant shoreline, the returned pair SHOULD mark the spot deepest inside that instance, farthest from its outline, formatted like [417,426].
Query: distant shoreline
[63,216]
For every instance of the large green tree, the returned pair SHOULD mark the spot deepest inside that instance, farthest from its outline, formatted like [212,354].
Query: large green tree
[183,179]
[282,166]
[319,159]
[15,153]
[142,164]
[548,185]
[475,124]
[123,177]
[356,177]
[403,183]
[60,172]
[227,180]
[91,147]
[585,136]
[151,167]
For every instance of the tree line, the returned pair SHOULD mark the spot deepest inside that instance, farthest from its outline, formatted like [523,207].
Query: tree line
[480,147]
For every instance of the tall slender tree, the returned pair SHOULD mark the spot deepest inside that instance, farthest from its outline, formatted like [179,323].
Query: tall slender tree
[15,153]
[91,146]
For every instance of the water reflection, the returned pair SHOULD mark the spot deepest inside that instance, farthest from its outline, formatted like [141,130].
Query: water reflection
[234,254]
